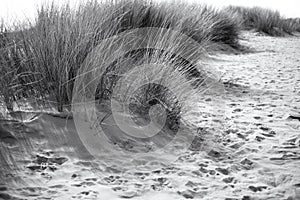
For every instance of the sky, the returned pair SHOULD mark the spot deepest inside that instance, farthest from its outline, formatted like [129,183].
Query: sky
[21,9]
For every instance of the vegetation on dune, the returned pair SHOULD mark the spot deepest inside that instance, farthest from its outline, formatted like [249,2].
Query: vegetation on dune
[294,23]
[41,59]
[264,20]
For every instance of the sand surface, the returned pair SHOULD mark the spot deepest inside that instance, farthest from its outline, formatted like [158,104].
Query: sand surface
[253,154]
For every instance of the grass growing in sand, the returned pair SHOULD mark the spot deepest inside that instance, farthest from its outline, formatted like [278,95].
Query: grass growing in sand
[40,59]
[265,20]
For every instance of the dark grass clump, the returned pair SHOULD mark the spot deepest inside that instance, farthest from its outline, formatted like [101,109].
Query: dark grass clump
[264,20]
[225,29]
[16,80]
[205,22]
[294,23]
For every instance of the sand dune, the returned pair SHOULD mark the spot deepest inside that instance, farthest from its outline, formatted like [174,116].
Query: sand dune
[258,156]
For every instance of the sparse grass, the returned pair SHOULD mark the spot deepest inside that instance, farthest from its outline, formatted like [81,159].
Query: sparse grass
[264,20]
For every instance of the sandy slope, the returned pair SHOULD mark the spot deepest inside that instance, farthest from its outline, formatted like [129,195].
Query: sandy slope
[257,158]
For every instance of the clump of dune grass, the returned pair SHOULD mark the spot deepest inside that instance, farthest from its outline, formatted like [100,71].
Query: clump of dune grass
[202,21]
[41,59]
[224,28]
[16,79]
[263,20]
[294,23]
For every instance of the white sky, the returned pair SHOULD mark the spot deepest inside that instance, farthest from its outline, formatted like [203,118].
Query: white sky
[11,9]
